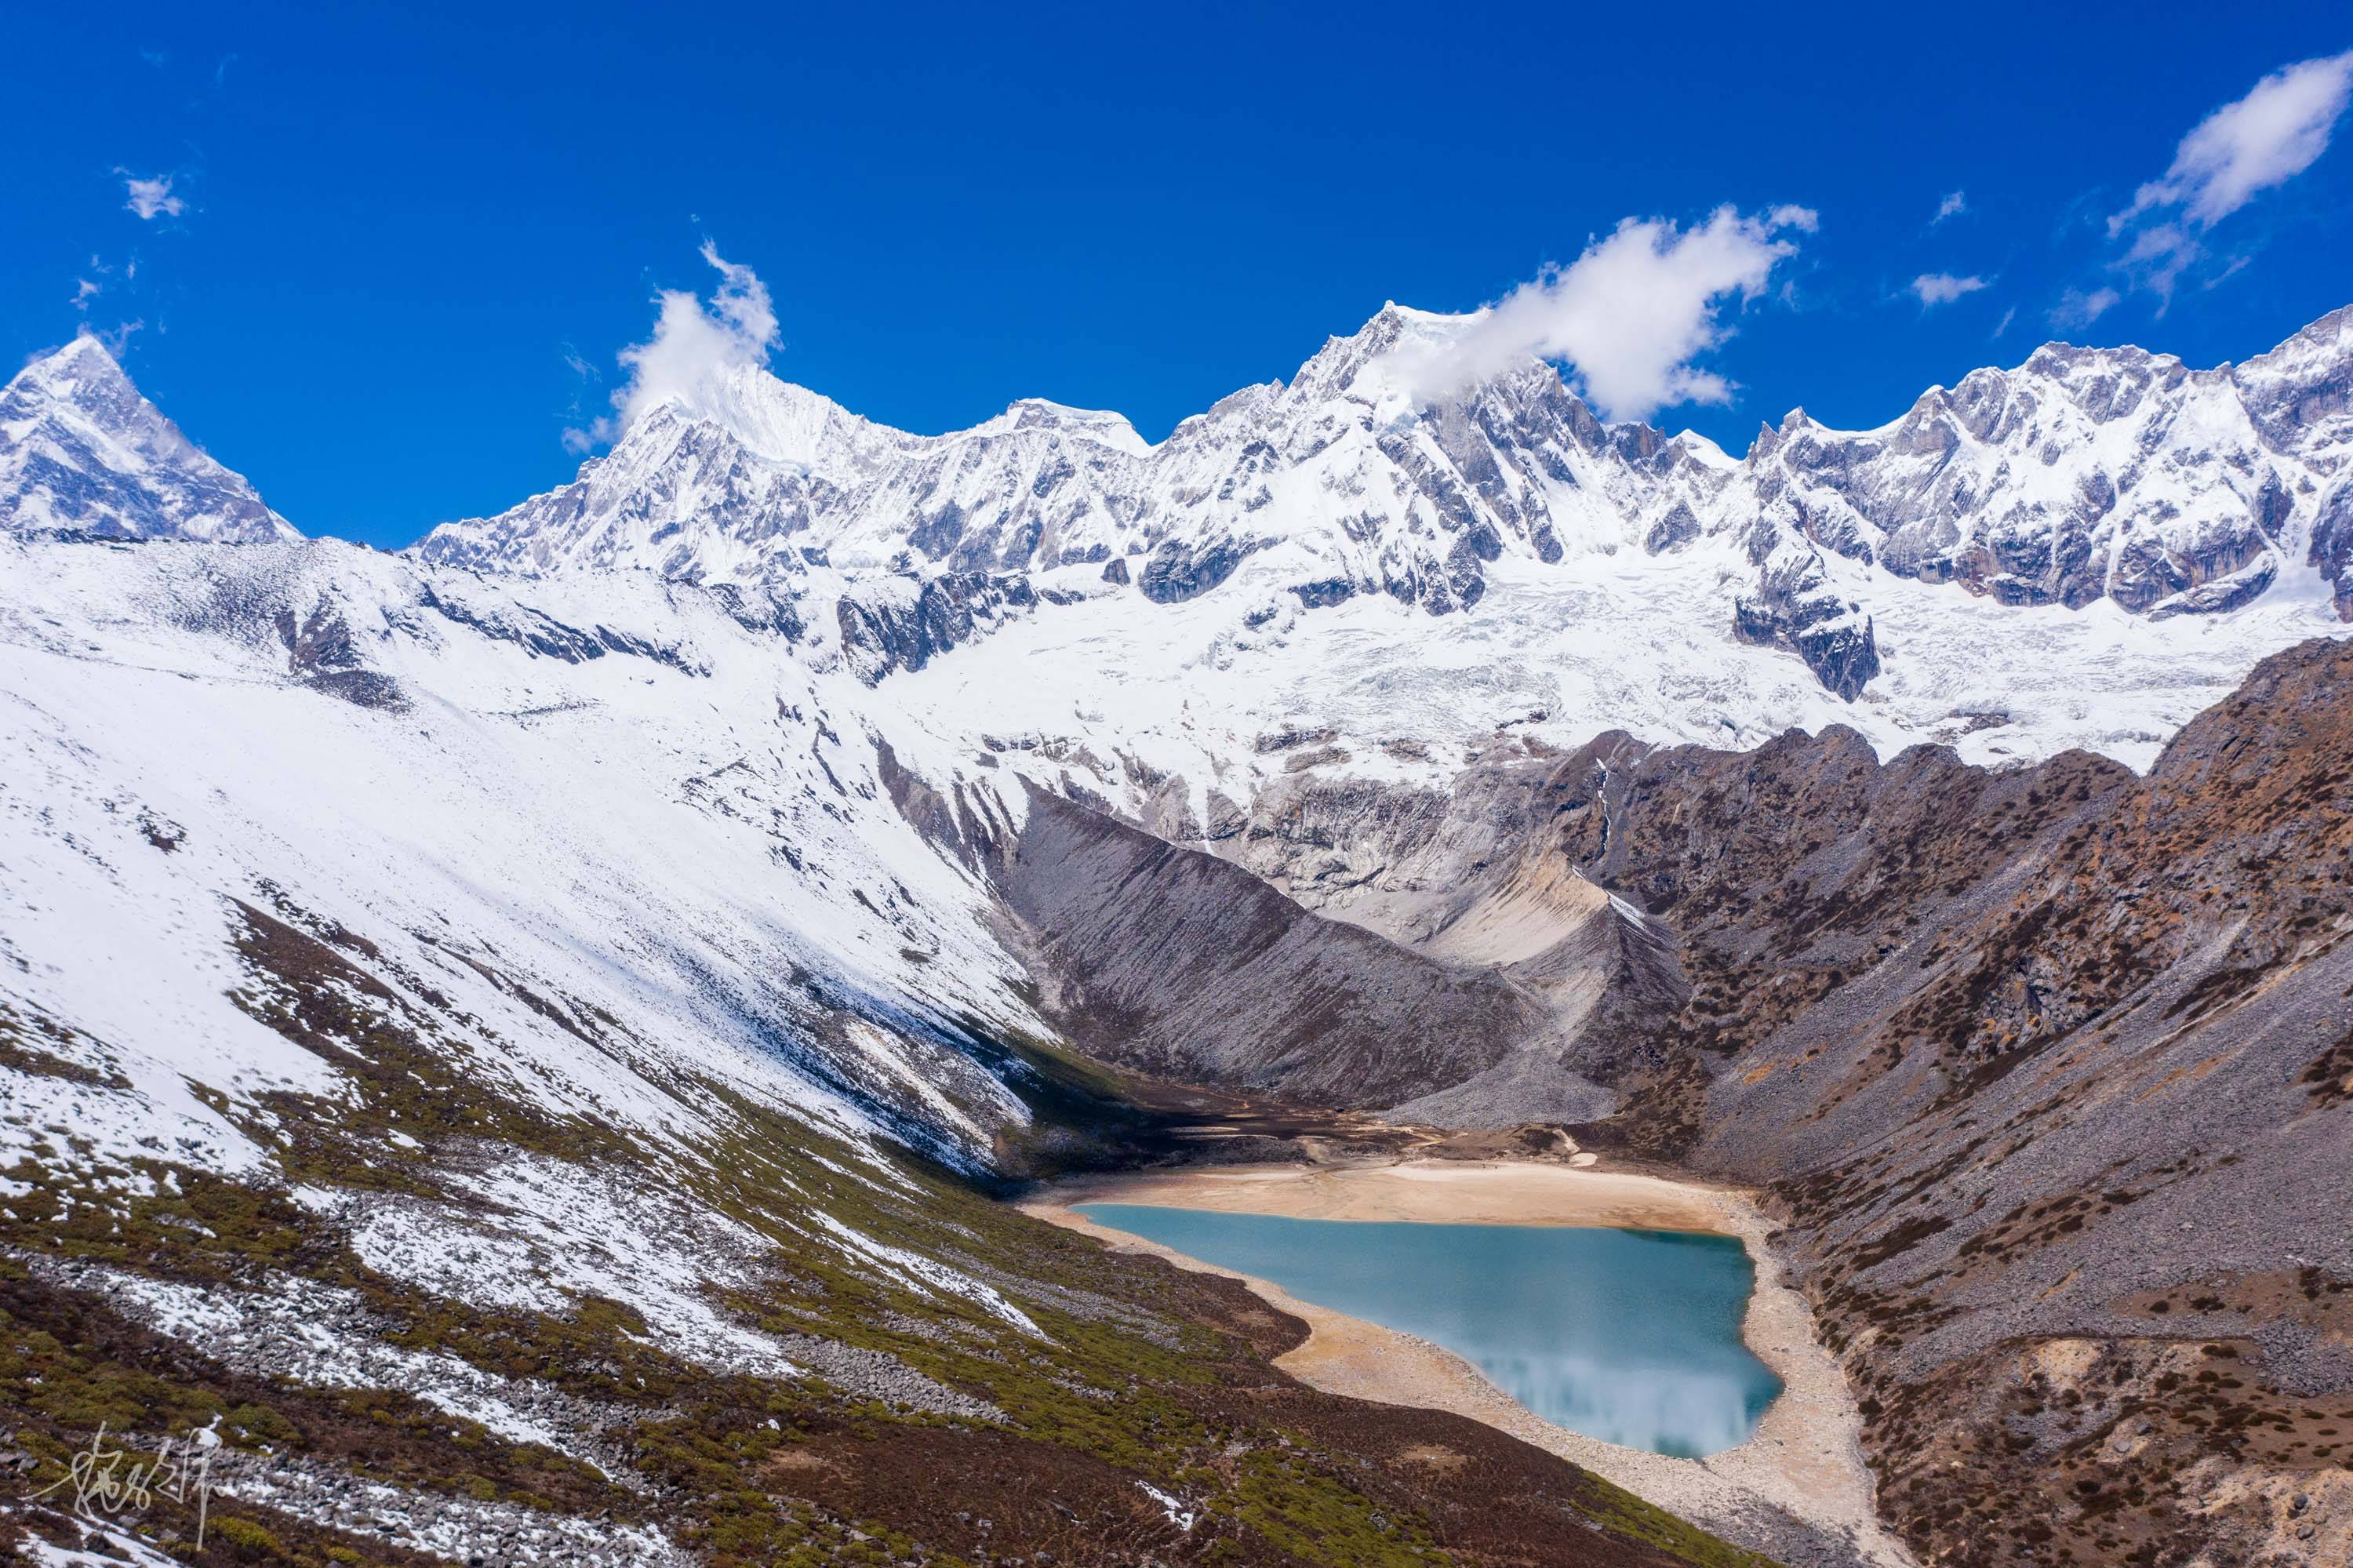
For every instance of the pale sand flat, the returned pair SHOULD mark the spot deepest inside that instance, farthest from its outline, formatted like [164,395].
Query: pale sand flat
[1448,1192]
[1805,1458]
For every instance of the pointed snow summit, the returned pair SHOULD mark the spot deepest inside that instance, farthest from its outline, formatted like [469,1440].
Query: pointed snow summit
[81,451]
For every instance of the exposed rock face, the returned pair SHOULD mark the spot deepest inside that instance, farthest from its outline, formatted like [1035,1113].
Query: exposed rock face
[1174,962]
[1177,571]
[1323,593]
[319,654]
[1679,527]
[1465,877]
[2332,546]
[81,450]
[903,623]
[2047,1068]
[1796,607]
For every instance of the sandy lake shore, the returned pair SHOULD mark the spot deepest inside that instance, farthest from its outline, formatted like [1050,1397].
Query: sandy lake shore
[1805,1460]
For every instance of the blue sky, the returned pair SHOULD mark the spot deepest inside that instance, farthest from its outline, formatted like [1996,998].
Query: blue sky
[390,237]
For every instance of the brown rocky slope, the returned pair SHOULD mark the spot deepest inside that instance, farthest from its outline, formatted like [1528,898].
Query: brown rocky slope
[2048,1071]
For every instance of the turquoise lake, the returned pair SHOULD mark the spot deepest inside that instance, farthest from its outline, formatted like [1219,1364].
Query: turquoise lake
[1632,1337]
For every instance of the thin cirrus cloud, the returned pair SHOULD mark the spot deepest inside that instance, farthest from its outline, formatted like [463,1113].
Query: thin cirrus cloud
[2078,308]
[150,198]
[1629,317]
[1942,288]
[693,345]
[2260,141]
[1953,206]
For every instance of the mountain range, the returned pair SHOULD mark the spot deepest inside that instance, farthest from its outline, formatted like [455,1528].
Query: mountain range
[590,972]
[2082,475]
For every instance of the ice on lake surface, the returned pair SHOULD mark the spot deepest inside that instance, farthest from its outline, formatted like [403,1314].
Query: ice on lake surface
[1632,1337]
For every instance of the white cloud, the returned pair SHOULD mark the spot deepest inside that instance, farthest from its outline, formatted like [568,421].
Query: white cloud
[84,292]
[2077,309]
[692,345]
[1942,288]
[2158,258]
[2265,139]
[2007,316]
[1952,206]
[150,198]
[2229,270]
[1629,316]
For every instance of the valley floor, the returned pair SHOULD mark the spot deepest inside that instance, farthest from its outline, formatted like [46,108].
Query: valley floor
[1798,1489]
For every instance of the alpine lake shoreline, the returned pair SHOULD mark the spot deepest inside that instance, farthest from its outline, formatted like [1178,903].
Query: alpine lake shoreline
[1803,1466]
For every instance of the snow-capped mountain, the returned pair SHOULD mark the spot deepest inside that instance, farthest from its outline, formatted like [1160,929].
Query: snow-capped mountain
[741,478]
[80,450]
[2083,474]
[553,972]
[2080,552]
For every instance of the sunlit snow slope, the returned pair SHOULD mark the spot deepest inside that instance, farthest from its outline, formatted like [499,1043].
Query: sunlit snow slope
[651,823]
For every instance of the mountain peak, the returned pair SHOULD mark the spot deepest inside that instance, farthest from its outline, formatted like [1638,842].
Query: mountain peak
[84,346]
[1393,333]
[82,363]
[1102,426]
[81,450]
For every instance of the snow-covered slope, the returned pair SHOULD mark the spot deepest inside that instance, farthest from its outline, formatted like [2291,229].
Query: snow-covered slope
[619,803]
[524,945]
[80,450]
[520,1020]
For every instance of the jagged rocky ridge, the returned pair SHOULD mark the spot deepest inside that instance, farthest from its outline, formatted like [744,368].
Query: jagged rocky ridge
[2083,474]
[1275,558]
